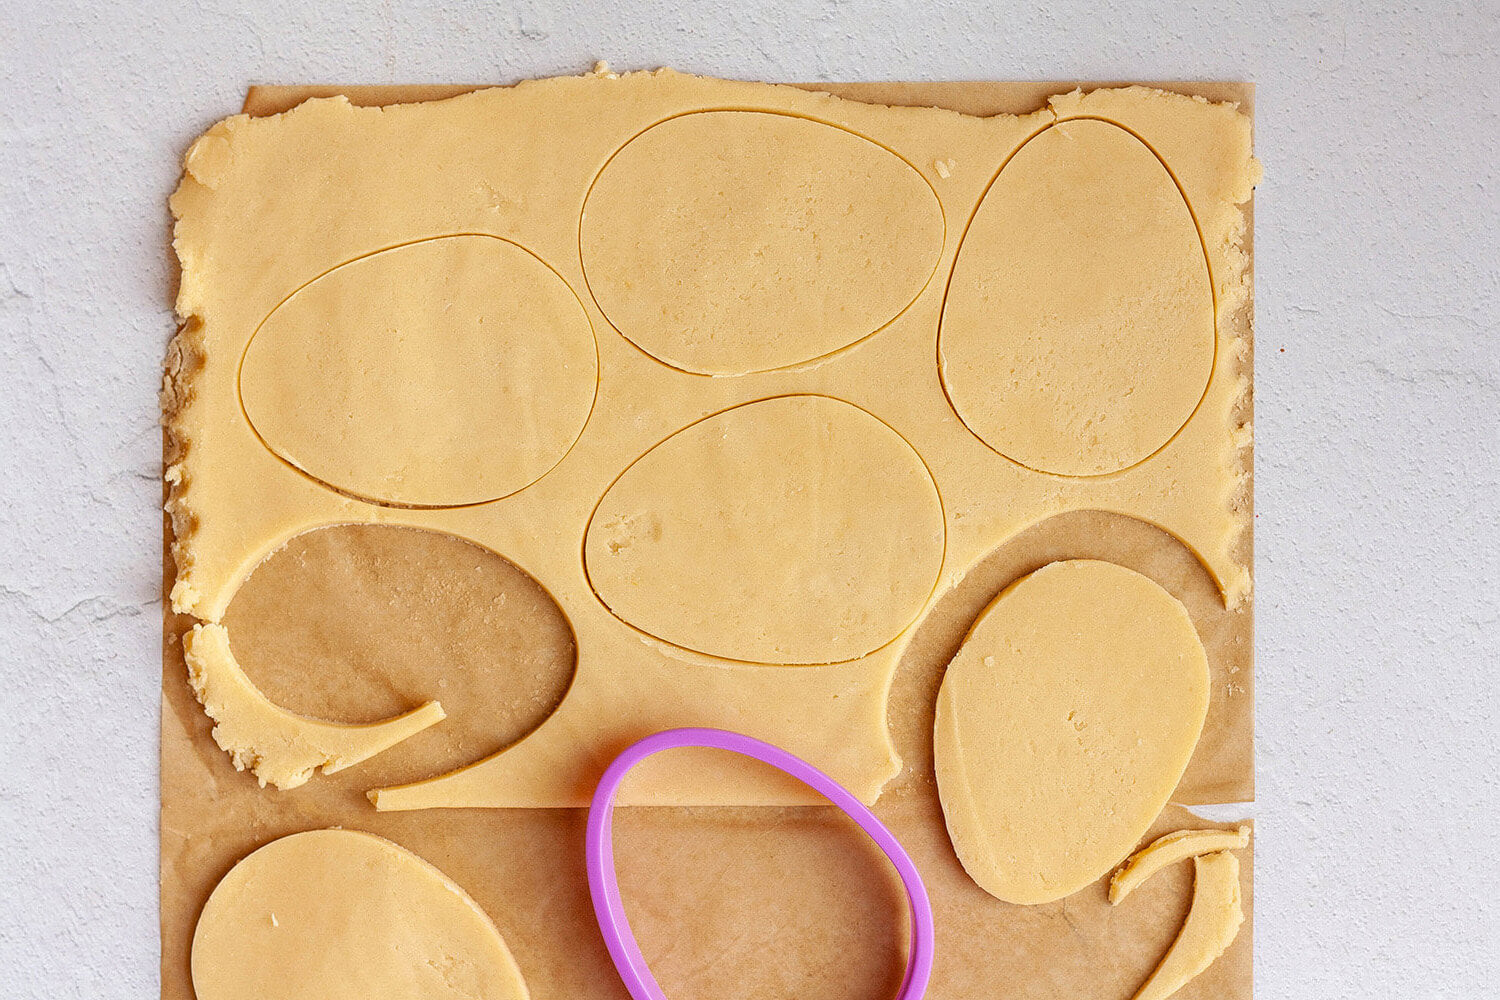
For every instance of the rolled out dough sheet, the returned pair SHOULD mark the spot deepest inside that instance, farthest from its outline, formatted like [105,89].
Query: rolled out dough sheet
[725,580]
[524,867]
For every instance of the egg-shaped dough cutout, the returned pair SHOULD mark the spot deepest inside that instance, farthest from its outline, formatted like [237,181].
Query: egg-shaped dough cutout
[728,242]
[1078,332]
[445,372]
[342,915]
[727,540]
[1063,725]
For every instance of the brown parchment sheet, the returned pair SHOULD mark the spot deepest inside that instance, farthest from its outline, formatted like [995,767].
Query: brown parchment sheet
[347,622]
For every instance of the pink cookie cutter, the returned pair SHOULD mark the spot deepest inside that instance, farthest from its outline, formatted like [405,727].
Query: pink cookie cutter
[605,887]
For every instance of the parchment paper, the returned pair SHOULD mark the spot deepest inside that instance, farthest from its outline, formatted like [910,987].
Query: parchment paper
[758,903]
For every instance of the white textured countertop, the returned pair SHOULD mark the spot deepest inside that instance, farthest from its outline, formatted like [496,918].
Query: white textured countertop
[1378,532]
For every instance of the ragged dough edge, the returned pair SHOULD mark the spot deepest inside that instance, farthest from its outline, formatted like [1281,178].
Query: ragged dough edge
[281,748]
[1212,923]
[203,168]
[184,361]
[204,165]
[1235,296]
[1223,221]
[1170,849]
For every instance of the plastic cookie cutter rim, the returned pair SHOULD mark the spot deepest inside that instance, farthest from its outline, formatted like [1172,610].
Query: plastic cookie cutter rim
[604,886]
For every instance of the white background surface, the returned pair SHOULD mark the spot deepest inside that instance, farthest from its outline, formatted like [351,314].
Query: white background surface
[1378,394]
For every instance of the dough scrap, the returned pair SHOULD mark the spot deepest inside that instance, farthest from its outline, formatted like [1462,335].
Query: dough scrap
[727,540]
[1168,850]
[517,164]
[1080,311]
[1063,724]
[281,748]
[443,372]
[800,238]
[1210,928]
[344,915]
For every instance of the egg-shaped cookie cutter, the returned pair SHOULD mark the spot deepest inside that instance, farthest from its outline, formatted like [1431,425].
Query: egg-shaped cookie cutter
[604,885]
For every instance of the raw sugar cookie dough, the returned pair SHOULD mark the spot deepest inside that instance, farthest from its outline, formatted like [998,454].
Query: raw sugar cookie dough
[1211,925]
[1063,725]
[864,513]
[391,377]
[1078,332]
[1170,849]
[863,349]
[280,747]
[744,482]
[344,915]
[746,307]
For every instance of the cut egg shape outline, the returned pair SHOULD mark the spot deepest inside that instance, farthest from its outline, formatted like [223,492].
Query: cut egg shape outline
[1213,291]
[897,441]
[366,496]
[938,250]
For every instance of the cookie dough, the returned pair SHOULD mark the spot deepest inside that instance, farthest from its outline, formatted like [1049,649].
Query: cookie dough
[442,372]
[1064,724]
[1170,849]
[1210,928]
[343,915]
[532,168]
[282,748]
[732,539]
[727,242]
[1078,332]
